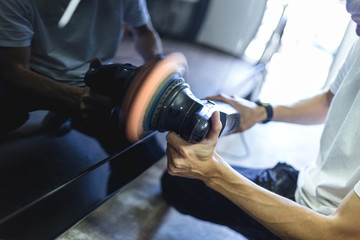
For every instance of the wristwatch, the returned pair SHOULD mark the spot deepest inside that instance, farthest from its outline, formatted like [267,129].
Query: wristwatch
[269,110]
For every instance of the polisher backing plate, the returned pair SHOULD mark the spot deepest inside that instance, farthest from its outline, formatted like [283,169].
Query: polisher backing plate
[145,85]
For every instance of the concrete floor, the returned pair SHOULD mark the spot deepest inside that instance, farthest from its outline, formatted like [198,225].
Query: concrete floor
[139,212]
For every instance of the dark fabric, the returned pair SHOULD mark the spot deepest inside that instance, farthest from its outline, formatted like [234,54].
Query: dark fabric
[12,120]
[109,133]
[15,112]
[193,197]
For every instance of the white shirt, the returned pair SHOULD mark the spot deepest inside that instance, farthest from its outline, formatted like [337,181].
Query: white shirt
[323,184]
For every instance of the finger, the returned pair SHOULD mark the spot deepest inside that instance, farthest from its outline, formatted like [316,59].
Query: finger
[175,140]
[170,151]
[95,62]
[216,127]
[97,99]
[168,154]
[223,98]
[170,164]
[175,162]
[219,97]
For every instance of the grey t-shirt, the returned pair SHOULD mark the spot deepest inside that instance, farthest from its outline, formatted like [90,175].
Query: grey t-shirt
[95,30]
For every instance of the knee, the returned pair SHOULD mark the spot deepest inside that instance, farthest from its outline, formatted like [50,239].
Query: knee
[174,188]
[12,121]
[167,186]
[177,190]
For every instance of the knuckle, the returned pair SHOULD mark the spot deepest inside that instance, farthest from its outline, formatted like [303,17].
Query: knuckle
[183,152]
[170,171]
[224,95]
[221,95]
[83,108]
[177,163]
[85,99]
[168,137]
[218,126]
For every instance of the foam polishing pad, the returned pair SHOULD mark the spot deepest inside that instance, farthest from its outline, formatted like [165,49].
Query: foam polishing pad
[146,87]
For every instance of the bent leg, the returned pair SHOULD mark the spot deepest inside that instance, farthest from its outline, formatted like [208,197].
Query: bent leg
[193,197]
[13,115]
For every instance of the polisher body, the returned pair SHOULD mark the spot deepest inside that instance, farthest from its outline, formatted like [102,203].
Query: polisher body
[155,97]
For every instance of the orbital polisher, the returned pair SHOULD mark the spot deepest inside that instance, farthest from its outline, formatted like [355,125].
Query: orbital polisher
[155,97]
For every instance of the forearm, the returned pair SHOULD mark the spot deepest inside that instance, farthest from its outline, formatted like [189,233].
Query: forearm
[147,42]
[309,111]
[47,93]
[284,217]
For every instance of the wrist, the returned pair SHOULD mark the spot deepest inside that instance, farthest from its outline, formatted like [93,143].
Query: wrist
[266,112]
[260,113]
[76,95]
[220,171]
[226,179]
[72,98]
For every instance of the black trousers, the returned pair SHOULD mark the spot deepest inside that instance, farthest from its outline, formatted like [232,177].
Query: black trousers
[193,197]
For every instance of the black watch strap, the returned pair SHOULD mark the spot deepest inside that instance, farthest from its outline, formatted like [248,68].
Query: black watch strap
[269,110]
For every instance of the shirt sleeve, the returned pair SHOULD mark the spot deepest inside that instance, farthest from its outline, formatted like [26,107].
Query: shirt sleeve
[357,188]
[15,24]
[136,13]
[355,50]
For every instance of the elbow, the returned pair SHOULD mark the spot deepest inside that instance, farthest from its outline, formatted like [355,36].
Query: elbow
[336,234]
[337,229]
[326,102]
[329,97]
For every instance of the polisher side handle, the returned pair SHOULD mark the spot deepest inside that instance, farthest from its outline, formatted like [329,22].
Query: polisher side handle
[111,80]
[229,117]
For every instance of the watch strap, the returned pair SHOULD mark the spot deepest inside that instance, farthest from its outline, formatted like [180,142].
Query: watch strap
[269,110]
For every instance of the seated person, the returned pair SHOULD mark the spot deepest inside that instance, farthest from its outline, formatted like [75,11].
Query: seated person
[42,66]
[320,202]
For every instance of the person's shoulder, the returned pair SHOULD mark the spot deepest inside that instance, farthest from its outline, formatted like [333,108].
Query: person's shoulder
[356,49]
[140,4]
[16,3]
[357,188]
[20,6]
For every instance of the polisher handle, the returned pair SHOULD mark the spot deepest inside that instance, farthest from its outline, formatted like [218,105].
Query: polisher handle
[229,117]
[111,80]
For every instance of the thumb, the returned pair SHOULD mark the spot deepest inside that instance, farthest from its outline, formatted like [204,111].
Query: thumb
[95,62]
[216,127]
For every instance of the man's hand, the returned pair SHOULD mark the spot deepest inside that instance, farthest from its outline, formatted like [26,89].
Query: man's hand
[95,108]
[195,160]
[250,112]
[284,217]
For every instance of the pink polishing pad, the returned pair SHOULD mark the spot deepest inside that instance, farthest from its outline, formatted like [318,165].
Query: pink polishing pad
[145,84]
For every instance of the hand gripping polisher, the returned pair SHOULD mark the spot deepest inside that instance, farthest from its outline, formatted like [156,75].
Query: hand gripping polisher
[155,97]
